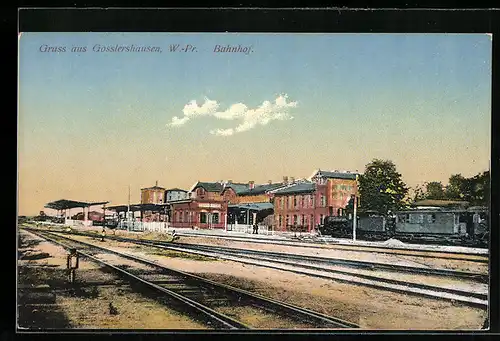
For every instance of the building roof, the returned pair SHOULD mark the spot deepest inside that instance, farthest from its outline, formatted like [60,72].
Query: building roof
[238,188]
[64,204]
[261,189]
[138,207]
[259,206]
[439,203]
[154,187]
[302,187]
[175,190]
[335,175]
[209,186]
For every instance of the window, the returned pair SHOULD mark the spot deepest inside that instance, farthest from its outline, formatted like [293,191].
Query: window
[187,217]
[287,220]
[431,218]
[416,218]
[290,202]
[203,218]
[312,220]
[181,216]
[294,201]
[321,219]
[215,218]
[303,222]
[295,219]
[280,223]
[323,200]
[402,218]
[313,201]
[303,199]
[283,200]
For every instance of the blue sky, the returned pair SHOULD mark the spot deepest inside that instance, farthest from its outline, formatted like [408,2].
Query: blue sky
[422,101]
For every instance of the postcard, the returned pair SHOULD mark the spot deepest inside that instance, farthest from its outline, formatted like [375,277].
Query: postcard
[253,181]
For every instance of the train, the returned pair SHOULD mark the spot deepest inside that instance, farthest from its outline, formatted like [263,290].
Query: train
[467,227]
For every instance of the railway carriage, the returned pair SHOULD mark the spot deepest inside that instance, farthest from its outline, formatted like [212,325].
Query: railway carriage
[458,226]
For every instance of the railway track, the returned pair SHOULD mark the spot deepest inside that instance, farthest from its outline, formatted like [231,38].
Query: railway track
[452,255]
[220,305]
[278,256]
[309,259]
[478,298]
[334,261]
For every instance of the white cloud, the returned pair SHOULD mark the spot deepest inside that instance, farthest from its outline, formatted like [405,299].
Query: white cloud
[235,111]
[250,118]
[207,108]
[222,132]
[176,121]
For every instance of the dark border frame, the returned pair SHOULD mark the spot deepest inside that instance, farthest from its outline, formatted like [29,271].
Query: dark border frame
[288,20]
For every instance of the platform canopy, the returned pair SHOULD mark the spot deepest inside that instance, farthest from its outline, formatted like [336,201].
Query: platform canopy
[138,207]
[64,204]
[260,206]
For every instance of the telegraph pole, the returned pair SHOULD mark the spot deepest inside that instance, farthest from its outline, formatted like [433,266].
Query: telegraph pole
[355,218]
[128,210]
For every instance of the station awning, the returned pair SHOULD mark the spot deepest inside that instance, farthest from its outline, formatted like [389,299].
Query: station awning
[259,206]
[64,204]
[138,207]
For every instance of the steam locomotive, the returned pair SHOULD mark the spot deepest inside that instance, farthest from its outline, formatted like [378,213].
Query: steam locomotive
[450,227]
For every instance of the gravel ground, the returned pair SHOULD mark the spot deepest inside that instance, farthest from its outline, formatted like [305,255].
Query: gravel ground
[370,308]
[86,305]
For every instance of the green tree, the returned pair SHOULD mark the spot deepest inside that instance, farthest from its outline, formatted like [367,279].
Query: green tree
[434,190]
[480,189]
[475,190]
[419,193]
[456,187]
[381,188]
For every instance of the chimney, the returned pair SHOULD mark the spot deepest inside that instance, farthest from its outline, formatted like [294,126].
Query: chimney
[251,185]
[285,179]
[156,183]
[270,181]
[292,180]
[229,181]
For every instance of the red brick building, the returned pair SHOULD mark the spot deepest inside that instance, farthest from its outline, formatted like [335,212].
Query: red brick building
[205,209]
[304,204]
[341,186]
[300,206]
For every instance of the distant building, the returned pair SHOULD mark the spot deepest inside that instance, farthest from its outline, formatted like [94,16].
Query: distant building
[153,195]
[174,194]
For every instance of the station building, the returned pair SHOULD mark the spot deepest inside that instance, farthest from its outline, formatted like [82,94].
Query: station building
[205,208]
[304,204]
